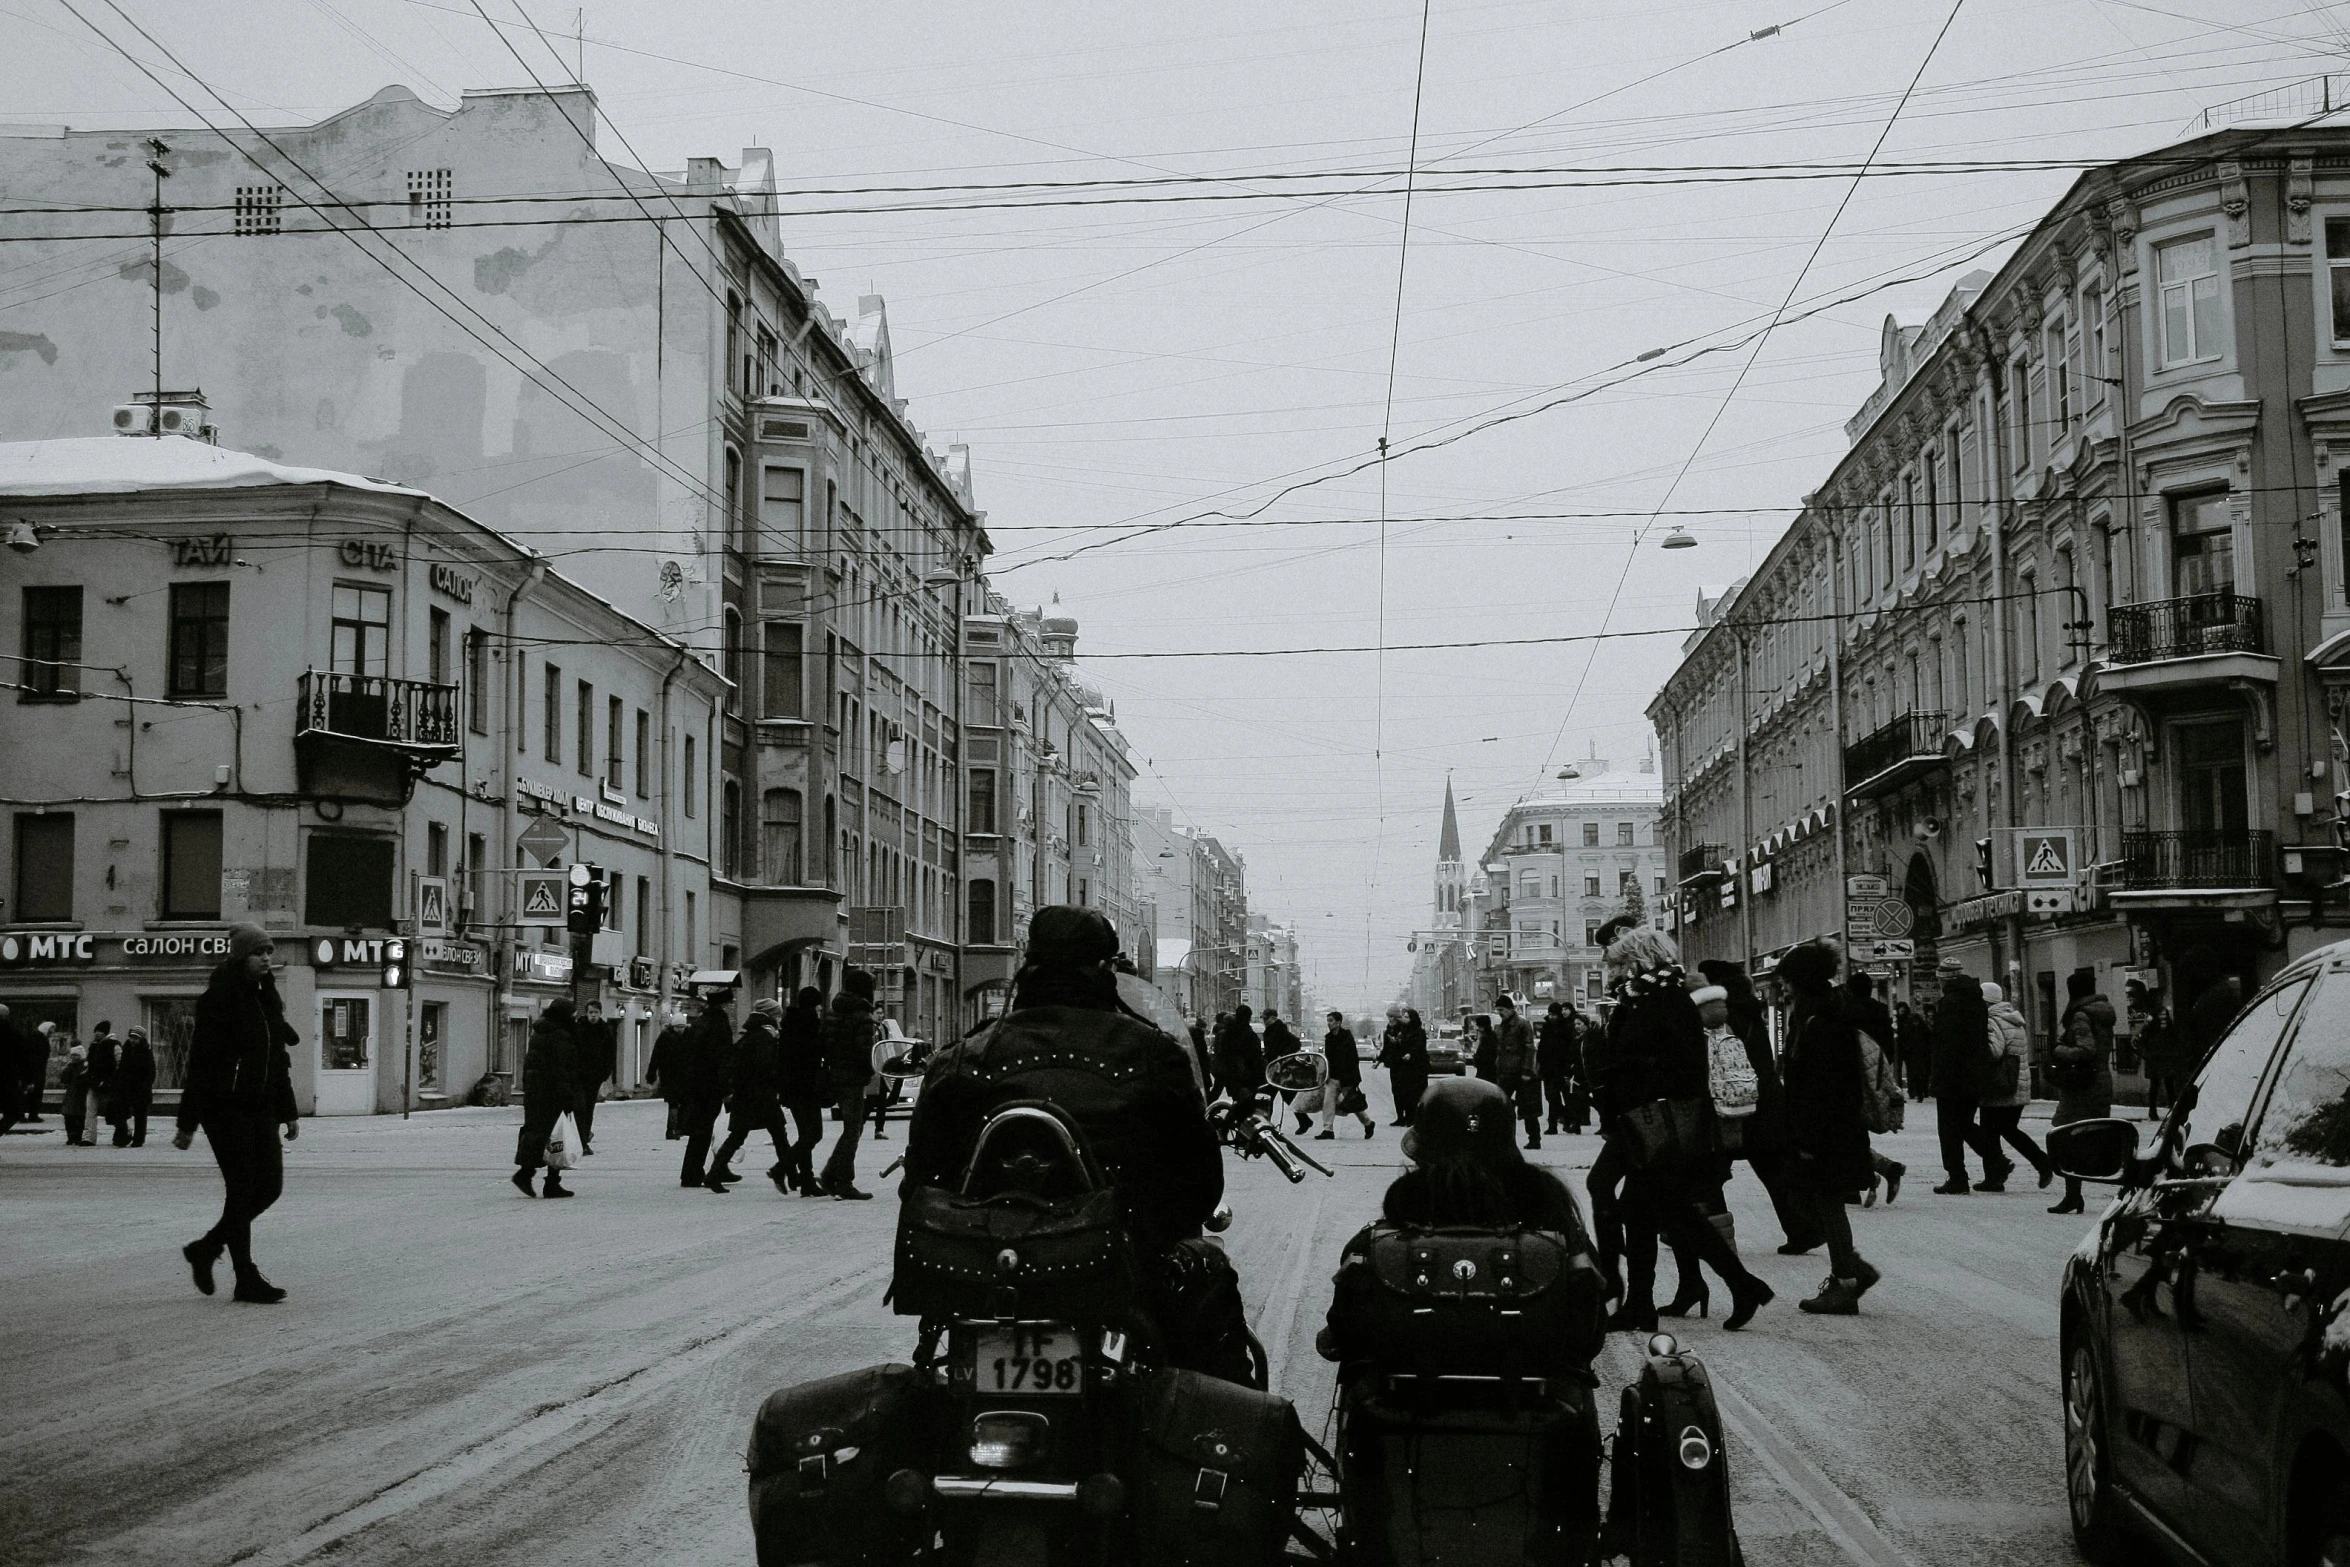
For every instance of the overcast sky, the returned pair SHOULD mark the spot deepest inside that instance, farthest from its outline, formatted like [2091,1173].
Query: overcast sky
[1125,363]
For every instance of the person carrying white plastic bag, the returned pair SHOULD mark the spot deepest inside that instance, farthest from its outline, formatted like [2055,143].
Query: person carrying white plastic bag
[550,1092]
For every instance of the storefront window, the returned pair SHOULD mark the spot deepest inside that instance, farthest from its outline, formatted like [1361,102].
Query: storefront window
[431,1018]
[342,1034]
[171,1024]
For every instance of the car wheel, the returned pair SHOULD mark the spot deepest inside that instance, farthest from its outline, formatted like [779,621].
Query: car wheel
[2088,1465]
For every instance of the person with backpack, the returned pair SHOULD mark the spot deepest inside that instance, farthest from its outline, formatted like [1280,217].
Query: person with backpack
[2081,1066]
[1761,1138]
[1885,1105]
[2009,1086]
[1962,1065]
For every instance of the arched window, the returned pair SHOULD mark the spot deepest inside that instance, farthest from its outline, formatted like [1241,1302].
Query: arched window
[979,927]
[779,835]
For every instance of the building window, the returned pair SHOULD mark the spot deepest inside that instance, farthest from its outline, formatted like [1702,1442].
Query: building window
[44,867]
[53,641]
[728,524]
[2031,627]
[783,503]
[520,725]
[1543,833]
[2338,275]
[477,859]
[477,681]
[2094,371]
[780,837]
[1590,884]
[644,754]
[257,208]
[362,630]
[1933,500]
[1591,835]
[2187,292]
[1909,521]
[1591,933]
[981,817]
[644,915]
[429,203]
[584,730]
[783,684]
[554,716]
[615,716]
[191,866]
[2203,544]
[692,778]
[199,639]
[693,948]
[734,342]
[730,808]
[1958,670]
[2060,381]
[982,696]
[1624,834]
[731,657]
[2068,579]
[348,881]
[436,643]
[979,925]
[436,849]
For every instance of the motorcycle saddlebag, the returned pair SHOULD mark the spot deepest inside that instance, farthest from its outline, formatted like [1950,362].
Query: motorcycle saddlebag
[1214,1473]
[1662,1508]
[1014,1255]
[820,1453]
[1470,1302]
[1469,1477]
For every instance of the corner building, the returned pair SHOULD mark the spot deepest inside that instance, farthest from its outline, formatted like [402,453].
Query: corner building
[2083,568]
[332,707]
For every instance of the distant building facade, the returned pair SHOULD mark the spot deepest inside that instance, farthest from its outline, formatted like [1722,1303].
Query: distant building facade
[333,707]
[1562,862]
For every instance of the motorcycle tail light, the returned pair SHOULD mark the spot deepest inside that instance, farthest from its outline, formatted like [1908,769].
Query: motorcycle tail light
[1008,1439]
[1696,1451]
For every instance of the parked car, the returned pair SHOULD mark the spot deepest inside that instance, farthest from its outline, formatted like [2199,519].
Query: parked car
[1445,1054]
[2206,1319]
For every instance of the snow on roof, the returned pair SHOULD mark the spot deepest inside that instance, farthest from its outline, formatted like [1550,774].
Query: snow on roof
[121,465]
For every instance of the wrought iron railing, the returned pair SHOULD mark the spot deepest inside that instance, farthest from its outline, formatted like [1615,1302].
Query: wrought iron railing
[1704,859]
[2155,860]
[1910,735]
[2183,628]
[413,713]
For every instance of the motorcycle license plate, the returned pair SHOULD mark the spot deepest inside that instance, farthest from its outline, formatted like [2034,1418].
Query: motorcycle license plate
[1033,1359]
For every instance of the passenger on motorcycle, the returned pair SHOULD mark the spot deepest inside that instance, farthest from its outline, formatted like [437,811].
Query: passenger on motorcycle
[1130,1091]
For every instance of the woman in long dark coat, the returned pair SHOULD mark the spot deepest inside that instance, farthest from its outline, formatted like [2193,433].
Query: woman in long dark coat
[1658,1048]
[1826,1128]
[549,1088]
[2081,1066]
[1403,1050]
[134,1090]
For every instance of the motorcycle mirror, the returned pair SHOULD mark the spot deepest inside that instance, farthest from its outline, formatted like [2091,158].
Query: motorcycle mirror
[1301,1073]
[907,1066]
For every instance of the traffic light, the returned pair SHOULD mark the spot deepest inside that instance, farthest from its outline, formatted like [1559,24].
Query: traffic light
[396,973]
[586,914]
[1983,863]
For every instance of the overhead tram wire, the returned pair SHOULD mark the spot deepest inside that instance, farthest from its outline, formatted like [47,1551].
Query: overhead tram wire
[1761,340]
[543,375]
[1403,255]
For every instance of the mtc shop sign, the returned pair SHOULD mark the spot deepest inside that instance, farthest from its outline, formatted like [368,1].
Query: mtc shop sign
[357,951]
[76,948]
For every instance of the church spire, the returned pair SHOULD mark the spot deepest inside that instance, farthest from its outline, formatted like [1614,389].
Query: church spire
[1448,845]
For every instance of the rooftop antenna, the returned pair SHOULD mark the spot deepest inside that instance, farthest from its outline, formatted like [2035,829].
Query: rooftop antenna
[157,151]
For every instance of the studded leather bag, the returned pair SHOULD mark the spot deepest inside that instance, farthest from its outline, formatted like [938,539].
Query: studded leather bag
[1032,1233]
[1429,1301]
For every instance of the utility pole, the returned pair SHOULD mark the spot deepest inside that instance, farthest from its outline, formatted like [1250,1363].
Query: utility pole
[157,150]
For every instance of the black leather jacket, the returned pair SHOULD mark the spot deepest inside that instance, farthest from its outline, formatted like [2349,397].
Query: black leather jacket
[1125,1084]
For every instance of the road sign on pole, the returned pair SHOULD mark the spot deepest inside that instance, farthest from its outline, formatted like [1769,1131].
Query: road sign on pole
[543,898]
[545,839]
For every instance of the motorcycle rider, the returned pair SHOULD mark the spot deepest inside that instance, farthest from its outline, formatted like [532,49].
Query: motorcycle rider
[1128,1088]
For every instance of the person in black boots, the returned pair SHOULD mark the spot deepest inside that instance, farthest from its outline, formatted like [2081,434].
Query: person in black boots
[239,1087]
[707,1070]
[134,1090]
[2009,1087]
[1660,1071]
[550,1086]
[1403,1050]
[1343,1094]
[1554,1060]
[801,1085]
[1516,1068]
[754,1105]
[2081,1066]
[597,1039]
[1962,1065]
[1827,1128]
[848,1066]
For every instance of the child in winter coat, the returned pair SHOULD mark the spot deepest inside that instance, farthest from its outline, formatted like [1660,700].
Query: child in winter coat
[75,1080]
[2009,1085]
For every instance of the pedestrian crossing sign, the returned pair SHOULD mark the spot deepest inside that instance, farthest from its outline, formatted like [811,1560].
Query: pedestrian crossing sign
[543,899]
[2046,856]
[432,906]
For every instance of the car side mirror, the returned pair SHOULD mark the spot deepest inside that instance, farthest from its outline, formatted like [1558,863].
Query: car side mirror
[1301,1073]
[2100,1150]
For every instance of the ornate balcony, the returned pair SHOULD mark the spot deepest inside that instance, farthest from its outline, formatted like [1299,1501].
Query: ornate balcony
[1900,753]
[2192,627]
[1702,863]
[370,737]
[2207,861]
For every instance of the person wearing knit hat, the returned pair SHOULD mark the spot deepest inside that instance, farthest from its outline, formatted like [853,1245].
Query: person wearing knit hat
[238,1085]
[134,1089]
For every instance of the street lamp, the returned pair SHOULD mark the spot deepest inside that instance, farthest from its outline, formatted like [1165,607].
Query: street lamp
[1679,539]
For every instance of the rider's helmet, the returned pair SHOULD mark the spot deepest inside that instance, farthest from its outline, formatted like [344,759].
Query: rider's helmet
[1462,1118]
